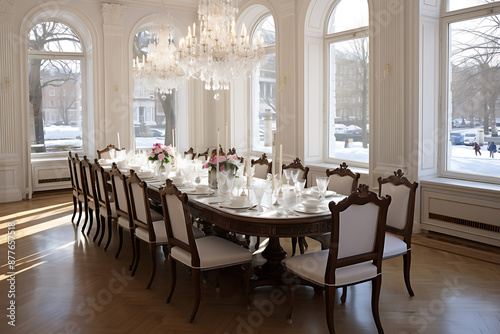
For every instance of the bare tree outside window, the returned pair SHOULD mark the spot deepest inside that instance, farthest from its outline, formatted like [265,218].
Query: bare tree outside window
[473,93]
[55,78]
[348,82]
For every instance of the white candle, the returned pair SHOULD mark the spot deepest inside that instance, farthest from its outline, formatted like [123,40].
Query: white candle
[217,150]
[281,160]
[273,157]
[119,145]
[248,158]
[227,144]
[173,138]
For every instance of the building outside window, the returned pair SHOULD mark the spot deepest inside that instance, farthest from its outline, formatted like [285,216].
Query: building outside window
[56,60]
[348,82]
[263,116]
[471,68]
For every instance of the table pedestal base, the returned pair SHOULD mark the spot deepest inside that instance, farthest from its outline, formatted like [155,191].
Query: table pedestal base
[271,272]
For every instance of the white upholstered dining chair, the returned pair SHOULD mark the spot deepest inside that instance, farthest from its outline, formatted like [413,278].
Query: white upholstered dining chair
[354,255]
[199,254]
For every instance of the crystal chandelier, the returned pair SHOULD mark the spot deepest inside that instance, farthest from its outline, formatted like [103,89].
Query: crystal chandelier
[160,70]
[217,55]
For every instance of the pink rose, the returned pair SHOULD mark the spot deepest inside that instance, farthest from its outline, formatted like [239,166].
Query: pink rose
[222,167]
[222,158]
[161,156]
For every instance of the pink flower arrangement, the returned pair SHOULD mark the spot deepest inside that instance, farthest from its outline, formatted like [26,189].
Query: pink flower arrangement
[161,153]
[229,162]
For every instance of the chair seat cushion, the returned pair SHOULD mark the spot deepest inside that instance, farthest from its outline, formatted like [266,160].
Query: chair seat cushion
[155,216]
[160,232]
[394,246]
[214,252]
[312,267]
[124,222]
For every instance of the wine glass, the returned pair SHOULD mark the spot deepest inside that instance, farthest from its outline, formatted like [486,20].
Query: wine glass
[258,189]
[295,175]
[322,183]
[300,185]
[288,199]
[287,174]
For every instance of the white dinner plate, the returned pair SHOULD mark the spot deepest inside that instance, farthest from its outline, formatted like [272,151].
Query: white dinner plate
[321,209]
[236,207]
[314,192]
[195,192]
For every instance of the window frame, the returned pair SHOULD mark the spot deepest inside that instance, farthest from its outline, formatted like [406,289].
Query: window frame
[342,36]
[82,57]
[446,19]
[270,49]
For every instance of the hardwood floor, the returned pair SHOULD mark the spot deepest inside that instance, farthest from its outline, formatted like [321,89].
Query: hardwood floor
[65,283]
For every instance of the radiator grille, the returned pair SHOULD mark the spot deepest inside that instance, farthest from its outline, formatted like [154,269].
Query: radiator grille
[61,179]
[465,222]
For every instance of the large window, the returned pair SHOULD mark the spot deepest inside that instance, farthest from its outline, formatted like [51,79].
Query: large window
[264,89]
[472,63]
[348,82]
[155,111]
[56,62]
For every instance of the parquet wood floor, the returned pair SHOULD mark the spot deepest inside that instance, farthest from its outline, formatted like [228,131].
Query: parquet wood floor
[66,284]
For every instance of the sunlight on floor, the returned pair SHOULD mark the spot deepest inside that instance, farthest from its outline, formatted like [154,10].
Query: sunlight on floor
[40,227]
[28,215]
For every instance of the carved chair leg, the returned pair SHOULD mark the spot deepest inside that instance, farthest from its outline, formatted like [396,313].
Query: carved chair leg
[91,223]
[294,245]
[120,238]
[197,293]
[330,307]
[173,273]
[152,248]
[407,264]
[98,223]
[137,255]
[248,275]
[344,295]
[103,227]
[110,222]
[74,209]
[291,296]
[376,284]
[132,239]
[80,210]
[302,241]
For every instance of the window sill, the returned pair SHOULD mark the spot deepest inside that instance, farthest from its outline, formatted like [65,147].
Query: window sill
[479,188]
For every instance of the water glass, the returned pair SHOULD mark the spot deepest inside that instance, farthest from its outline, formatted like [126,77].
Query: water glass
[295,175]
[322,183]
[287,174]
[259,189]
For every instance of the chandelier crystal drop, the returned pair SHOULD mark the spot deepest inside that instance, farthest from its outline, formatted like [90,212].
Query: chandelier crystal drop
[216,54]
[160,70]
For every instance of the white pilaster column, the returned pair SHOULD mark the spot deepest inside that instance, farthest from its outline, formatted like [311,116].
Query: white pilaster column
[286,81]
[9,158]
[116,116]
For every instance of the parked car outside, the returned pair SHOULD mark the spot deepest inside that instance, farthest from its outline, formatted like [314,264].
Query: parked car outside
[469,138]
[456,138]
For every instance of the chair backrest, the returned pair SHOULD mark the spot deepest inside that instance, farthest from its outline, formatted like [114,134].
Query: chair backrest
[71,171]
[343,180]
[101,185]
[189,154]
[88,179]
[296,164]
[104,153]
[177,221]
[262,166]
[358,231]
[203,157]
[77,173]
[120,192]
[401,212]
[139,204]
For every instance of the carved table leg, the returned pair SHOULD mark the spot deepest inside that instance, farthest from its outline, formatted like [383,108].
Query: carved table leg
[271,272]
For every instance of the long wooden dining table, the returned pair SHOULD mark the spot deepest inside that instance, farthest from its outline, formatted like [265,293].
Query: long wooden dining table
[269,223]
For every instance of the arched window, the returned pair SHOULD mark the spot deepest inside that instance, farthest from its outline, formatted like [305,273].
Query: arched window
[471,68]
[348,82]
[263,115]
[155,111]
[56,65]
